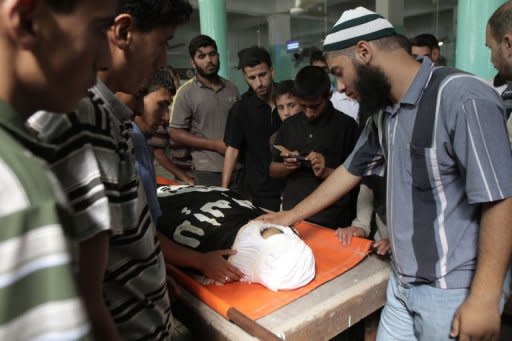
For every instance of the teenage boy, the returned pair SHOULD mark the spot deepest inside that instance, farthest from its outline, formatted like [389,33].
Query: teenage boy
[41,42]
[315,142]
[134,285]
[251,122]
[154,113]
[448,170]
[200,111]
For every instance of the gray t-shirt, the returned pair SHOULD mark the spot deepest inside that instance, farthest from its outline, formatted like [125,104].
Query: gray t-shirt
[204,112]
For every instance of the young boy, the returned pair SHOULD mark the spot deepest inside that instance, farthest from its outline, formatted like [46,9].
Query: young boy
[41,43]
[284,97]
[134,285]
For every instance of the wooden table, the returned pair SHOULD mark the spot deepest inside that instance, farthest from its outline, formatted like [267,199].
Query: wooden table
[320,315]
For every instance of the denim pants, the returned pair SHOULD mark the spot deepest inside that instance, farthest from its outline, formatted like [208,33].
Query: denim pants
[420,312]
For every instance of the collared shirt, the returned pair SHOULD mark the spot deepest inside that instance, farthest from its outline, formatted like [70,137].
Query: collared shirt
[204,112]
[435,191]
[333,135]
[135,285]
[37,282]
[250,124]
[145,169]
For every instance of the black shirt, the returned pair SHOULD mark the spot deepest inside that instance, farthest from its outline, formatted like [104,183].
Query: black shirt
[333,135]
[250,124]
[203,218]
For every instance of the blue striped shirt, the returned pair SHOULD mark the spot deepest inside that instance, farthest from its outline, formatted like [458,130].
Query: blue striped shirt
[444,154]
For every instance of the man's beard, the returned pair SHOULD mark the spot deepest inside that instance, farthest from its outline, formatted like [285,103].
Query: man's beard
[208,74]
[373,89]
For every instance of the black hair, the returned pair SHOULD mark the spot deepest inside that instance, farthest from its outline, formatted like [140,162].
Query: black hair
[200,41]
[253,56]
[62,6]
[316,55]
[425,39]
[312,82]
[283,88]
[162,78]
[151,14]
[500,21]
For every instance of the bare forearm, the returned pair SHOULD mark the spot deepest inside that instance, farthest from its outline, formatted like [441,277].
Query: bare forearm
[93,258]
[279,170]
[327,173]
[229,164]
[334,187]
[183,137]
[178,255]
[494,251]
[165,162]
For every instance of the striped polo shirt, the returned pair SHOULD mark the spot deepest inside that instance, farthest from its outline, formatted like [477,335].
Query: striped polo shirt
[444,151]
[38,295]
[135,284]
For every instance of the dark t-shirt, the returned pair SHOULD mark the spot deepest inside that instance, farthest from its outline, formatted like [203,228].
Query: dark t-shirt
[334,136]
[203,218]
[250,124]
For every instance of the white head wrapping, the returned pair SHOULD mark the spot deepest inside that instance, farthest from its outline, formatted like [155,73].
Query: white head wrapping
[280,262]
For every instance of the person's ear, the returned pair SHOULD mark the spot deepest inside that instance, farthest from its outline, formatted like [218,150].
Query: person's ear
[435,54]
[272,72]
[507,43]
[363,52]
[17,17]
[122,31]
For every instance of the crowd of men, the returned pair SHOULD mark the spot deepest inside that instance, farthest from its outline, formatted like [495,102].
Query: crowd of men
[419,151]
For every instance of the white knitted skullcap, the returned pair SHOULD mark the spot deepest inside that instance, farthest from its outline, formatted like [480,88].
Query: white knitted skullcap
[355,25]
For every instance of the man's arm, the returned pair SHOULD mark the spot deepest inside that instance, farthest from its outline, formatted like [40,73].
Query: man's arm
[93,259]
[334,187]
[229,164]
[281,169]
[165,162]
[183,137]
[212,264]
[479,317]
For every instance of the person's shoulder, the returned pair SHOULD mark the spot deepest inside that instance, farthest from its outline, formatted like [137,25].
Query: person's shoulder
[185,89]
[342,118]
[462,85]
[25,178]
[229,84]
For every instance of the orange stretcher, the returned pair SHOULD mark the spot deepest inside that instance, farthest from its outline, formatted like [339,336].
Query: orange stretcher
[256,301]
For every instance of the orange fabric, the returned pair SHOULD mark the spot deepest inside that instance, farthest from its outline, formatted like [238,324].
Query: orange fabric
[255,300]
[163,181]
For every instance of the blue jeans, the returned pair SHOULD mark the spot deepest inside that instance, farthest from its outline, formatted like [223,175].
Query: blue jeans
[419,312]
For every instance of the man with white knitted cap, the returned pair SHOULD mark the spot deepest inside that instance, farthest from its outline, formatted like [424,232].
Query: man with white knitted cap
[439,137]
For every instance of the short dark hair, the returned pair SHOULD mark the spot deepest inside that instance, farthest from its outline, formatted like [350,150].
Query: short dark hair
[312,82]
[62,6]
[253,56]
[500,21]
[316,55]
[162,79]
[151,14]
[283,88]
[200,41]
[425,39]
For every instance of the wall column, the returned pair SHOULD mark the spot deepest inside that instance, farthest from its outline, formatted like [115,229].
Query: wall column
[213,21]
[471,54]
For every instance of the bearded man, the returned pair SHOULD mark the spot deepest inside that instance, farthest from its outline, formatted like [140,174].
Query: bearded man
[438,135]
[200,111]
